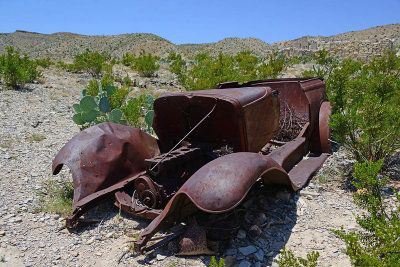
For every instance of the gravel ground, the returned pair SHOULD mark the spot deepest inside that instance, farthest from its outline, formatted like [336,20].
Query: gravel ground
[301,221]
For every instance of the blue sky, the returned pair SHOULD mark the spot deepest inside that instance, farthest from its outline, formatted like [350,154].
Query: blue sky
[195,21]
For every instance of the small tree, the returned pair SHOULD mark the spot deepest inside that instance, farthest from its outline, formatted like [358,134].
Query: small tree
[16,70]
[89,61]
[145,64]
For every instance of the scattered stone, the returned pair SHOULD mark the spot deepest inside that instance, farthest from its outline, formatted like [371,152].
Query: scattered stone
[247,250]
[17,219]
[42,245]
[160,257]
[2,233]
[261,219]
[255,232]
[75,254]
[230,252]
[241,234]
[308,193]
[283,196]
[244,264]
[259,255]
[230,261]
[90,241]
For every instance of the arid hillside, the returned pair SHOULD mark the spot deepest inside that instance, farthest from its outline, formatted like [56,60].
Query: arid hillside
[62,46]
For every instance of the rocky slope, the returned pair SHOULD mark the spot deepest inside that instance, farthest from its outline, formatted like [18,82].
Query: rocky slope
[62,46]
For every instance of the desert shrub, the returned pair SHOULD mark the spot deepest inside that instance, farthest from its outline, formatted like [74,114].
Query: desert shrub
[15,70]
[127,81]
[139,112]
[172,55]
[377,243]
[273,67]
[145,64]
[213,262]
[207,71]
[287,259]
[127,59]
[366,100]
[89,61]
[94,85]
[325,64]
[299,59]
[117,99]
[44,62]
[61,65]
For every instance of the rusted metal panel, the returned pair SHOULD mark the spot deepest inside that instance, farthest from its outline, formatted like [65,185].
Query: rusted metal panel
[102,156]
[176,113]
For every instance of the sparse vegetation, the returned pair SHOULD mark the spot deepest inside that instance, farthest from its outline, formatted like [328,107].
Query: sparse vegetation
[366,101]
[287,259]
[208,71]
[127,59]
[377,243]
[145,64]
[89,61]
[35,137]
[213,262]
[56,197]
[15,70]
[44,62]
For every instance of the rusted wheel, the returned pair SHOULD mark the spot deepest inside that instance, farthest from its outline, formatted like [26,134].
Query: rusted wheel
[320,140]
[145,192]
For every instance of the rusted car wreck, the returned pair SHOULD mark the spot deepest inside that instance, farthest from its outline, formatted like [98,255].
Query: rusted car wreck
[212,147]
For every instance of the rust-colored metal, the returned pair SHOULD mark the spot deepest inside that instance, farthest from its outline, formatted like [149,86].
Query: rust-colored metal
[206,155]
[235,120]
[103,159]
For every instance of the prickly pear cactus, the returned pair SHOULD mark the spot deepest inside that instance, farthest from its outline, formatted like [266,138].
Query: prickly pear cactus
[93,110]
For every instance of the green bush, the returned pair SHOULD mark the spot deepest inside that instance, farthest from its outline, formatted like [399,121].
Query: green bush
[15,70]
[208,71]
[287,259]
[145,64]
[127,81]
[275,65]
[139,112]
[377,243]
[127,59]
[213,262]
[325,64]
[44,62]
[91,62]
[366,100]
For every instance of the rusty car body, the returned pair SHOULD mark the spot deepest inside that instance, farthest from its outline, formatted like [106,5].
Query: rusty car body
[212,147]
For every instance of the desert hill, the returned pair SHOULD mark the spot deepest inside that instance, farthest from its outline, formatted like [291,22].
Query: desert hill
[62,45]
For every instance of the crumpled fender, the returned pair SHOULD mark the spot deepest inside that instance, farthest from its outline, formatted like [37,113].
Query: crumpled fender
[218,186]
[102,156]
